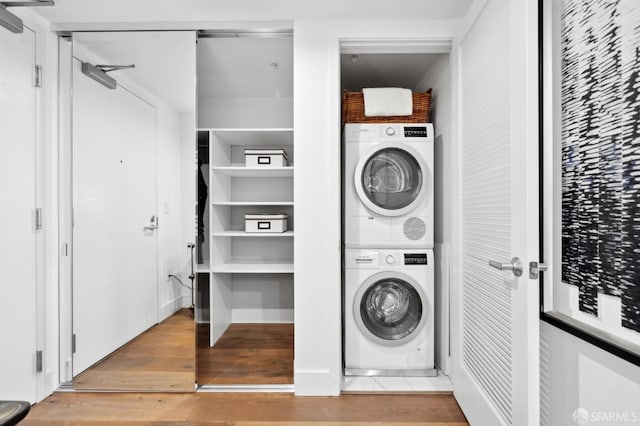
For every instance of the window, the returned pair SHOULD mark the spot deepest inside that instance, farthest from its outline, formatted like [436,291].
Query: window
[590,118]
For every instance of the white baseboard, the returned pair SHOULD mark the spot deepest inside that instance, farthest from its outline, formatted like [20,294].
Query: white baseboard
[186,301]
[262,316]
[171,307]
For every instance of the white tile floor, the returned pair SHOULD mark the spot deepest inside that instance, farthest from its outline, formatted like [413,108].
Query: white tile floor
[441,383]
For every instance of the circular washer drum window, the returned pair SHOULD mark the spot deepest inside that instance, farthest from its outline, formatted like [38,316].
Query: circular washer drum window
[391,309]
[392,178]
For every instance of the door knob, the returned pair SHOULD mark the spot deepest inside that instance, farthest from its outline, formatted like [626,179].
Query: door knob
[515,266]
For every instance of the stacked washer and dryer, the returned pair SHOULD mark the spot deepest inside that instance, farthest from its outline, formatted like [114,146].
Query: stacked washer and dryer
[388,240]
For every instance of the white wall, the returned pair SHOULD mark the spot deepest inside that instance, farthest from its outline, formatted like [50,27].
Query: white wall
[173,256]
[244,112]
[318,363]
[438,77]
[575,374]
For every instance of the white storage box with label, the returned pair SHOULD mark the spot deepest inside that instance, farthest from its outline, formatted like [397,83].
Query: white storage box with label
[265,222]
[265,158]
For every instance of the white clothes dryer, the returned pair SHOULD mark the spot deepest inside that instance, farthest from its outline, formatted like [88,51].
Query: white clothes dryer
[388,194]
[388,313]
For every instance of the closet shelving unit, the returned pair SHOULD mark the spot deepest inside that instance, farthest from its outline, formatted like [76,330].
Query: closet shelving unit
[245,101]
[244,266]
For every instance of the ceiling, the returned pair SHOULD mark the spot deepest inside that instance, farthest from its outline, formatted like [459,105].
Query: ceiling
[165,61]
[77,11]
[164,65]
[247,67]
[384,70]
[160,64]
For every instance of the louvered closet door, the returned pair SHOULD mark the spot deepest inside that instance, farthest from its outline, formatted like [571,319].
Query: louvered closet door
[495,359]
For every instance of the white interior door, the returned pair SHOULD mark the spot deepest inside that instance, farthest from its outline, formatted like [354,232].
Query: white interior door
[495,358]
[17,215]
[114,199]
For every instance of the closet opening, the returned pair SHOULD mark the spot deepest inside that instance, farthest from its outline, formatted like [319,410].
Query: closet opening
[245,271]
[418,69]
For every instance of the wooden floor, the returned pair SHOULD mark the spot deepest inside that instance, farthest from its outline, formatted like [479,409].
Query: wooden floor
[246,354]
[82,408]
[160,359]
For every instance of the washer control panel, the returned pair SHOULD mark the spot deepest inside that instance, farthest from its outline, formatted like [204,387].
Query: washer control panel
[374,259]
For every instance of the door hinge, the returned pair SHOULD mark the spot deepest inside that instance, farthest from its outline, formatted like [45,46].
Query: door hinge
[38,219]
[535,268]
[38,361]
[38,82]
[73,343]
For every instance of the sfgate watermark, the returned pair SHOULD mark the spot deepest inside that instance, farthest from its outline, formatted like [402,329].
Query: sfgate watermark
[582,416]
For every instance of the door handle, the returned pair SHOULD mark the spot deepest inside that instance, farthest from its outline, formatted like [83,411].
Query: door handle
[515,266]
[154,224]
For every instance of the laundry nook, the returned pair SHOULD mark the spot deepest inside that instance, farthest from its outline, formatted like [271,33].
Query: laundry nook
[388,301]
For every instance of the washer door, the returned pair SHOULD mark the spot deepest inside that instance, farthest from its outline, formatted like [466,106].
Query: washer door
[392,179]
[390,308]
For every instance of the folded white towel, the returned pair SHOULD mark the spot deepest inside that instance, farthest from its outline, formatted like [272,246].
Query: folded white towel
[387,101]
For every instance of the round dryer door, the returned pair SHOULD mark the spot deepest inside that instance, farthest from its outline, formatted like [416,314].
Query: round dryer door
[392,179]
[390,308]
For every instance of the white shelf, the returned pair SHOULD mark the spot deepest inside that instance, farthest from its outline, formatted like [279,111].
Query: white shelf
[254,267]
[259,136]
[241,171]
[252,203]
[252,234]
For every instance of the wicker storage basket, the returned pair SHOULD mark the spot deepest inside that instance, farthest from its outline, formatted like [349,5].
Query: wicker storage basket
[353,110]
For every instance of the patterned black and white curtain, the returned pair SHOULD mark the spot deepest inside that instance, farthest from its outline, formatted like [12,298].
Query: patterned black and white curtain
[600,104]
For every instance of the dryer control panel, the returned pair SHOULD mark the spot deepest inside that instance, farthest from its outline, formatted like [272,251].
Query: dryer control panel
[415,258]
[415,132]
[380,132]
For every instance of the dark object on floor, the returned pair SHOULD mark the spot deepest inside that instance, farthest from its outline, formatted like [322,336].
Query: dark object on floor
[11,412]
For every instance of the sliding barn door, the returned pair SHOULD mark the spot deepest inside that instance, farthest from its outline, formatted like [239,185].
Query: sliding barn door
[495,371]
[17,215]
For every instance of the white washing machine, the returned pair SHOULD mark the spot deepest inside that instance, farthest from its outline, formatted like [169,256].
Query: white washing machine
[388,313]
[388,185]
